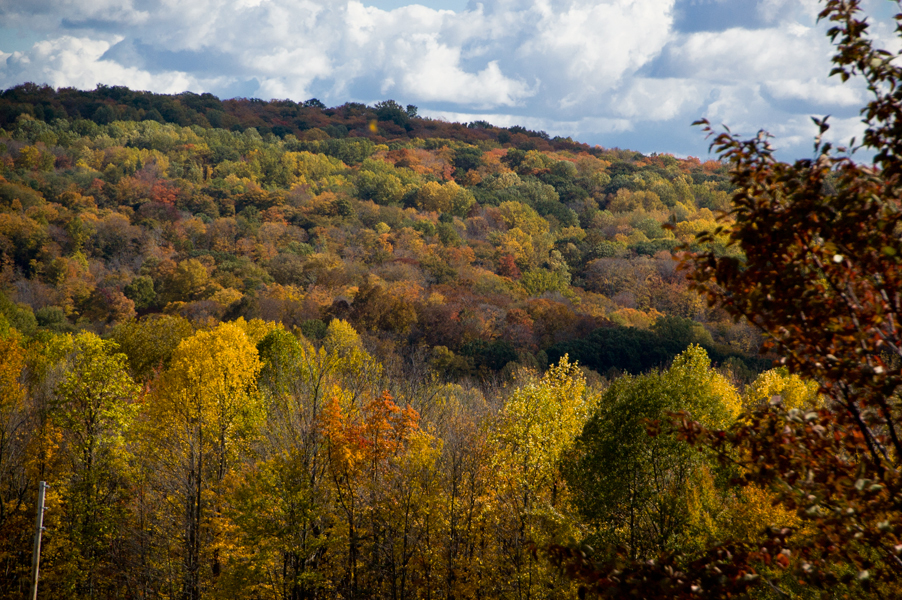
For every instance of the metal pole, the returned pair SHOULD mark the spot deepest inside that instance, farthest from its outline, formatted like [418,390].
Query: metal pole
[39,527]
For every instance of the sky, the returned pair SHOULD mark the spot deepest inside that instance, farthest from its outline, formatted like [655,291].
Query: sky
[619,73]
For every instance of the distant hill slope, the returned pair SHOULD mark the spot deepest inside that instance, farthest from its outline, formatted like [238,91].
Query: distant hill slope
[484,246]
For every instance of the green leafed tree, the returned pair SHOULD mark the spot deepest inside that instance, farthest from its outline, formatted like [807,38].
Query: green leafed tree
[633,488]
[149,343]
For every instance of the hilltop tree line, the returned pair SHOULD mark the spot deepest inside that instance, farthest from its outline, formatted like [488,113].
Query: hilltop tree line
[309,119]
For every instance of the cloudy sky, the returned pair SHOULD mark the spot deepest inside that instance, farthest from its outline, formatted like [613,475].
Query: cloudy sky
[627,73]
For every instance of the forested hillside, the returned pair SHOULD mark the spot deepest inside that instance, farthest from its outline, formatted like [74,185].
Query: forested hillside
[279,350]
[489,251]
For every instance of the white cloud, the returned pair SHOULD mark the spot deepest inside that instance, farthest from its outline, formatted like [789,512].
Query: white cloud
[739,54]
[658,99]
[571,67]
[600,41]
[75,62]
[437,76]
[816,92]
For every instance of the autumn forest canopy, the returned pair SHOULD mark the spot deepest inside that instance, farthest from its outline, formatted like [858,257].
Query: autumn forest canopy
[331,325]
[282,350]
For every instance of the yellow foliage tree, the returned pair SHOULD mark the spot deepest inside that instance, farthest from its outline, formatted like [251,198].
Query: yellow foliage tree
[445,198]
[793,391]
[539,422]
[203,416]
[93,407]
[626,200]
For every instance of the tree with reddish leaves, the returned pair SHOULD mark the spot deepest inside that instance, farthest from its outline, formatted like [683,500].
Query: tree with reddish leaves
[507,267]
[816,263]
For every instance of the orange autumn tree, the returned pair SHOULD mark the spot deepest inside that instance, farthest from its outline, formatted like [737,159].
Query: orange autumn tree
[378,456]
